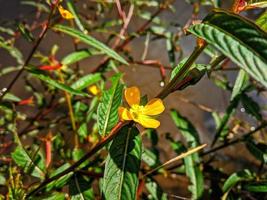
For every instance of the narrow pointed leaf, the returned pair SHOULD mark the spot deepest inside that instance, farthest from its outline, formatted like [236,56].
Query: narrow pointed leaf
[192,168]
[55,83]
[85,81]
[78,56]
[90,41]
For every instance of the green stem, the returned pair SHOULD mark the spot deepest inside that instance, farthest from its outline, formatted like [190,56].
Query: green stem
[190,61]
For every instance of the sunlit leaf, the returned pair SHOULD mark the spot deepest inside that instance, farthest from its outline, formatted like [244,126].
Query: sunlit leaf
[85,81]
[90,41]
[40,75]
[107,113]
[122,165]
[237,38]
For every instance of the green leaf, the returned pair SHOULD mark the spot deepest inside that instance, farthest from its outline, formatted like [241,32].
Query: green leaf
[251,106]
[155,191]
[83,131]
[107,112]
[2,179]
[122,165]
[40,75]
[85,81]
[191,77]
[235,178]
[59,183]
[241,83]
[53,196]
[259,150]
[257,187]
[80,188]
[262,21]
[31,163]
[78,56]
[90,41]
[25,32]
[237,38]
[150,158]
[40,6]
[13,51]
[192,169]
[186,128]
[221,131]
[77,18]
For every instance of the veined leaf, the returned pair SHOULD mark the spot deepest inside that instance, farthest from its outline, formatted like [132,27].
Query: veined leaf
[78,56]
[90,41]
[85,81]
[122,165]
[31,163]
[107,112]
[192,170]
[40,75]
[80,189]
[237,38]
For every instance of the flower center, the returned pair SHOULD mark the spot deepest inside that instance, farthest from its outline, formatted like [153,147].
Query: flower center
[136,110]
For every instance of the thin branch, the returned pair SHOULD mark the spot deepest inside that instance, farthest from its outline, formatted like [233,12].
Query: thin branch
[92,152]
[36,45]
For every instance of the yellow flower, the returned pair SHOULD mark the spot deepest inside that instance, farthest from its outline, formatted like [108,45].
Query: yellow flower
[94,90]
[65,13]
[138,113]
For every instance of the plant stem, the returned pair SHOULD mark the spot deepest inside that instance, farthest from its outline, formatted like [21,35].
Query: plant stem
[242,139]
[71,114]
[171,85]
[36,45]
[92,152]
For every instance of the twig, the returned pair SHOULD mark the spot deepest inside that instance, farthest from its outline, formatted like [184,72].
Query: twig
[179,157]
[37,43]
[92,152]
[242,139]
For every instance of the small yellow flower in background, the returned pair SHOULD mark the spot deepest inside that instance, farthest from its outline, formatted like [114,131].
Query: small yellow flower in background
[65,13]
[138,113]
[94,90]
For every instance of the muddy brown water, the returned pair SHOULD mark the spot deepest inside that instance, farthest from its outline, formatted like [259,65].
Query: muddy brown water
[148,80]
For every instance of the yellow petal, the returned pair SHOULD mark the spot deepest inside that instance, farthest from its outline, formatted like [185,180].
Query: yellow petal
[124,114]
[132,95]
[94,89]
[148,122]
[154,107]
[65,13]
